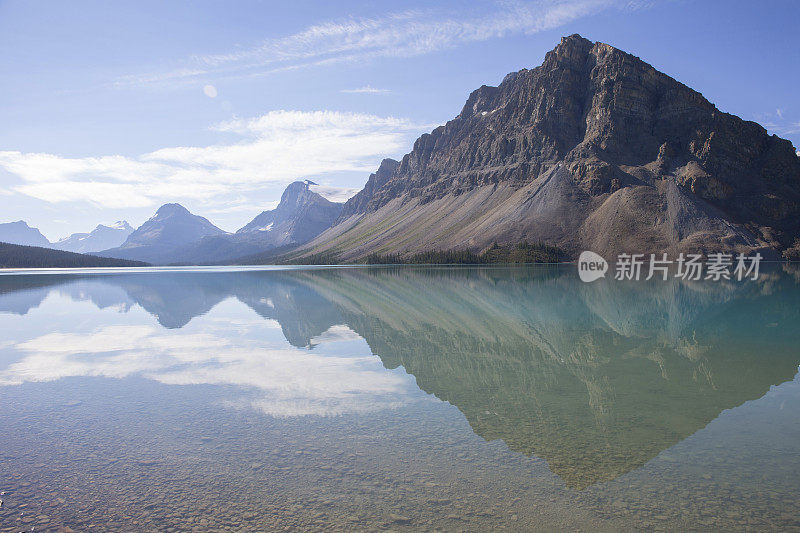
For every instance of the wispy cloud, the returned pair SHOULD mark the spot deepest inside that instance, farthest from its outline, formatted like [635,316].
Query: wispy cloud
[278,147]
[777,123]
[367,89]
[336,333]
[334,194]
[402,34]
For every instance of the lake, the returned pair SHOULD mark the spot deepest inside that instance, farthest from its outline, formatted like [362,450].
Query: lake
[398,398]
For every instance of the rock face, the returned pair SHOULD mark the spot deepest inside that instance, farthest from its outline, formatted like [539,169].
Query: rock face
[20,233]
[360,202]
[100,238]
[300,216]
[594,149]
[171,228]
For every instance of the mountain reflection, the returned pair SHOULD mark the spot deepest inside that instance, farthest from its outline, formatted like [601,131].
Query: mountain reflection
[596,379]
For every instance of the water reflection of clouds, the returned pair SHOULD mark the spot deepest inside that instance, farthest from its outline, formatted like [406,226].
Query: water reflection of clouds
[337,333]
[278,380]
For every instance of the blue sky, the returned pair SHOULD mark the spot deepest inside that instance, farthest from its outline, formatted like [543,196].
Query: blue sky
[109,109]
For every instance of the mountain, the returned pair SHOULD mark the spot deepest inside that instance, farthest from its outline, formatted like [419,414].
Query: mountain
[100,238]
[20,233]
[171,228]
[594,149]
[301,215]
[19,256]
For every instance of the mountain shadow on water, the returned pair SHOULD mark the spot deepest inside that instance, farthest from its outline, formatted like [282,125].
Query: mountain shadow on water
[596,379]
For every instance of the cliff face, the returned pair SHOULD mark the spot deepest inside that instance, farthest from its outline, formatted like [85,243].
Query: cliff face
[593,149]
[301,215]
[361,201]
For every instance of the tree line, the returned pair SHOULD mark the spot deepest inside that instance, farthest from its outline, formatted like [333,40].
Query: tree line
[523,252]
[19,256]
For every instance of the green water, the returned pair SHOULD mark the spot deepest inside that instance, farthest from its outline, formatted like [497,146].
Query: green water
[413,398]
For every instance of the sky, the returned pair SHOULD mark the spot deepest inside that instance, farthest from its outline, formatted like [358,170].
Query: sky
[110,109]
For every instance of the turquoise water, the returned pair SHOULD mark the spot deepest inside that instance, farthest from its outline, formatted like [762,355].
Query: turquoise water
[397,398]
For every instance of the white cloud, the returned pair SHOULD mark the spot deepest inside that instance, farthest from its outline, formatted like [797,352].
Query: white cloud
[280,381]
[241,207]
[783,128]
[334,194]
[367,89]
[111,195]
[777,123]
[278,147]
[403,34]
[336,333]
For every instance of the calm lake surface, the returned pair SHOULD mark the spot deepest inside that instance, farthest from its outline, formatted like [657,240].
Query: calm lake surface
[405,398]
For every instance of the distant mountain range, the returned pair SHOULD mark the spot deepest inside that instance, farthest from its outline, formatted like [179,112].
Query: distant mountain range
[20,233]
[301,215]
[100,238]
[24,247]
[174,235]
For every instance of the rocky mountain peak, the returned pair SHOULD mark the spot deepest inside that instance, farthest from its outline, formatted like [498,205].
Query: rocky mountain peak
[121,224]
[594,126]
[375,181]
[172,225]
[296,194]
[168,210]
[572,51]
[301,215]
